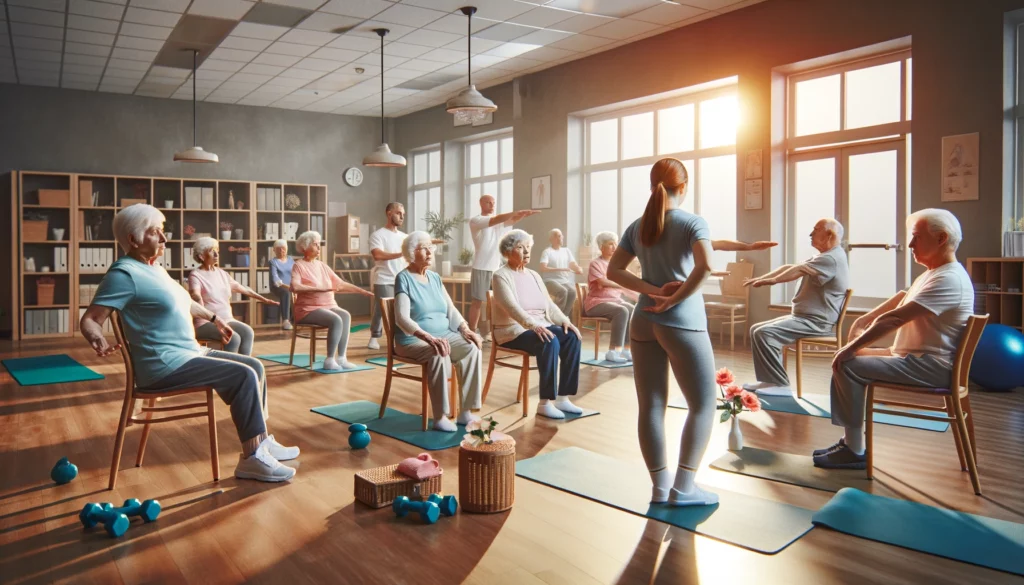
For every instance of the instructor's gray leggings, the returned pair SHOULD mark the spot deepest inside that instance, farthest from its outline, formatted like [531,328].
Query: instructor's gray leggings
[240,342]
[337,321]
[655,348]
[619,313]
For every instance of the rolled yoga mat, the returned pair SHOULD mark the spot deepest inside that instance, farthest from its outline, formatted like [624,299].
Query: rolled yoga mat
[792,469]
[750,522]
[396,424]
[302,361]
[49,369]
[986,542]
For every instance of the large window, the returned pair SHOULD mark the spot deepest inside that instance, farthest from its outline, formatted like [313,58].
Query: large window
[488,165]
[621,147]
[847,151]
[425,178]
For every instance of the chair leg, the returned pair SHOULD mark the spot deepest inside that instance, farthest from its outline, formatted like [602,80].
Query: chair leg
[957,439]
[425,391]
[524,386]
[295,337]
[453,395]
[972,466]
[799,369]
[597,340]
[387,390]
[312,348]
[115,463]
[214,450]
[490,371]
[785,358]
[869,432]
[732,330]
[145,434]
[965,404]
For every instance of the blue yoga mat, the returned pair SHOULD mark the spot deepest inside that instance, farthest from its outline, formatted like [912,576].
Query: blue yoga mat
[987,542]
[49,369]
[819,405]
[746,521]
[591,360]
[302,361]
[383,362]
[396,424]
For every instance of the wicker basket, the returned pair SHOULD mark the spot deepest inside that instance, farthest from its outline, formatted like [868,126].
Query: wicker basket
[487,476]
[379,486]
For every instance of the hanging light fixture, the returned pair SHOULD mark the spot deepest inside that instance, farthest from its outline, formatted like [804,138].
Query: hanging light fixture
[383,157]
[196,154]
[470,104]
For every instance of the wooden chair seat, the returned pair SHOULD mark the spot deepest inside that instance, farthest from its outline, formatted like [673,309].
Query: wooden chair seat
[800,348]
[723,305]
[524,367]
[129,417]
[582,290]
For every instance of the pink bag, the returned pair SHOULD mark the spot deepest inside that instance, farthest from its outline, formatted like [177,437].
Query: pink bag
[420,467]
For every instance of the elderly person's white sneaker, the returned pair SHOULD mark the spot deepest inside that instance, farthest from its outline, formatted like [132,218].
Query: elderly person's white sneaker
[547,409]
[614,357]
[279,451]
[262,466]
[331,364]
[287,325]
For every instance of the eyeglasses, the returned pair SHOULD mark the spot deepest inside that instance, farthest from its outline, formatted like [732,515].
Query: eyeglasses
[428,248]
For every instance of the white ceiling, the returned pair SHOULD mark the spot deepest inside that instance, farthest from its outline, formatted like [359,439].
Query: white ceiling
[111,45]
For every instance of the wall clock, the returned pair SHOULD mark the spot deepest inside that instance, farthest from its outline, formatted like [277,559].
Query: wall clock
[353,177]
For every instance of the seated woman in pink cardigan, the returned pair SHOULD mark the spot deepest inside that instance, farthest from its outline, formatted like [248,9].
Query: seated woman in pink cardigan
[609,300]
[314,285]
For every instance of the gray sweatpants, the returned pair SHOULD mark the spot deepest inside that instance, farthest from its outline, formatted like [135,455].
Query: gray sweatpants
[655,348]
[769,337]
[240,342]
[337,321]
[849,385]
[563,294]
[466,358]
[380,291]
[620,313]
[239,380]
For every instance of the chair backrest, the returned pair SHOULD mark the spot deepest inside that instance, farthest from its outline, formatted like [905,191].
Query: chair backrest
[490,307]
[965,350]
[732,283]
[842,316]
[581,297]
[126,352]
[386,306]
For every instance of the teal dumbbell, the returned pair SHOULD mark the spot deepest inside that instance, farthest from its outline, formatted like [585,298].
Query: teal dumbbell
[448,504]
[429,512]
[116,520]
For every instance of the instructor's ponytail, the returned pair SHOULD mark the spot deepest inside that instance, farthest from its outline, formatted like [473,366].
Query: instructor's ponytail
[666,174]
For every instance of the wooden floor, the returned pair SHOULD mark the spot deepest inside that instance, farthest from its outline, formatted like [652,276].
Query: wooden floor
[312,531]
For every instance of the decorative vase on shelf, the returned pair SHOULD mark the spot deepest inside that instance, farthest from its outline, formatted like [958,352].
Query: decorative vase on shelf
[239,234]
[169,235]
[735,435]
[225,235]
[58,234]
[446,268]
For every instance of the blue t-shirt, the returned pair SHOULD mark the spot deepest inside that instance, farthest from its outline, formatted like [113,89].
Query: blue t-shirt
[670,260]
[427,304]
[281,271]
[156,314]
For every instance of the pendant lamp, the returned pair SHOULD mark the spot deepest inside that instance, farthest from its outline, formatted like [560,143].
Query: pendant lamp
[383,157]
[196,154]
[470,104]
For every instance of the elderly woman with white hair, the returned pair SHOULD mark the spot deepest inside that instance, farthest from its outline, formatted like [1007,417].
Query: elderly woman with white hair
[157,316]
[431,331]
[927,320]
[609,300]
[314,285]
[281,280]
[212,286]
[525,318]
[558,268]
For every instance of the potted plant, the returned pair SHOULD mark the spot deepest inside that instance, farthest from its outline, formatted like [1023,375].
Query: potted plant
[225,230]
[734,400]
[441,230]
[190,231]
[465,260]
[1013,238]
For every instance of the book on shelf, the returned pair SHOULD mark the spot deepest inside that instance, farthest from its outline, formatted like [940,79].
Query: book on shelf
[193,197]
[208,198]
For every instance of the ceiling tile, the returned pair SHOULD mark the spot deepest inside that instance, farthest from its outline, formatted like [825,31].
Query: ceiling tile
[261,69]
[276,60]
[542,17]
[580,43]
[25,29]
[34,55]
[323,65]
[409,15]
[228,9]
[128,64]
[253,30]
[151,17]
[21,14]
[456,24]
[614,8]
[45,80]
[37,44]
[211,75]
[276,14]
[334,82]
[95,9]
[355,43]
[401,49]
[296,73]
[134,54]
[622,29]
[94,38]
[250,78]
[307,4]
[122,75]
[326,22]
[581,23]
[218,65]
[308,37]
[92,24]
[548,54]
[178,6]
[282,48]
[54,5]
[145,31]
[137,43]
[543,37]
[366,30]
[287,82]
[430,38]
[374,59]
[125,89]
[172,72]
[422,65]
[522,63]
[86,49]
[505,32]
[358,8]
[340,55]
[443,55]
[478,46]
[666,13]
[95,70]
[86,60]
[233,55]
[38,66]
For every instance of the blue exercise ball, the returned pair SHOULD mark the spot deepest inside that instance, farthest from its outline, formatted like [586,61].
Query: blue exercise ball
[998,363]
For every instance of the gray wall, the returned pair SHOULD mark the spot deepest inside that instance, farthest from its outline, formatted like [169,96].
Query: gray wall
[957,88]
[46,129]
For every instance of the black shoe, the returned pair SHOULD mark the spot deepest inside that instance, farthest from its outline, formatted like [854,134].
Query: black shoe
[820,452]
[841,458]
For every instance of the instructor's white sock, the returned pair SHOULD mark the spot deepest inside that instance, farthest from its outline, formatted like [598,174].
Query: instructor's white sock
[662,483]
[685,480]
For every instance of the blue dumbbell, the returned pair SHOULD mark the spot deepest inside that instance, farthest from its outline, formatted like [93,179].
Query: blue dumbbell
[447,504]
[116,520]
[429,512]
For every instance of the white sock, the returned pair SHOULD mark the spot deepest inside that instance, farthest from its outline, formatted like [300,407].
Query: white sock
[466,417]
[695,497]
[345,364]
[562,403]
[662,481]
[685,480]
[331,364]
[545,408]
[445,425]
[855,439]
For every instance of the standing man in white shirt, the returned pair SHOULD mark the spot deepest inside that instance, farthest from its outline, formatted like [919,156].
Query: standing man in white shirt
[927,319]
[487,230]
[558,268]
[386,249]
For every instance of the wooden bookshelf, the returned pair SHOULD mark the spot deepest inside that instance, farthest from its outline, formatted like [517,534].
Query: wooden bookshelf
[999,289]
[110,193]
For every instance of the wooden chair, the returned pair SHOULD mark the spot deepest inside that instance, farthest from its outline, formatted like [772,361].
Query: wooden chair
[733,309]
[581,296]
[128,417]
[956,403]
[832,342]
[523,393]
[386,306]
[310,332]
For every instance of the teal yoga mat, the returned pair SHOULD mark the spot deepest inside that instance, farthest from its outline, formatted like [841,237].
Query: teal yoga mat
[987,542]
[302,361]
[591,360]
[398,425]
[49,369]
[358,328]
[746,521]
[792,469]
[818,405]
[383,362]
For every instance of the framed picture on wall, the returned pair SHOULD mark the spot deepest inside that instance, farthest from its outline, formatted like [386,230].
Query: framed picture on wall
[540,192]
[752,169]
[960,167]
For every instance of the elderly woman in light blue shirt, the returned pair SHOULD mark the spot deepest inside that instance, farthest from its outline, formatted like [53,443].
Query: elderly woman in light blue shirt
[281,280]
[157,316]
[431,331]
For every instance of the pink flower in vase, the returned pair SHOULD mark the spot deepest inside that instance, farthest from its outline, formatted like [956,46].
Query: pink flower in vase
[750,401]
[732,391]
[724,377]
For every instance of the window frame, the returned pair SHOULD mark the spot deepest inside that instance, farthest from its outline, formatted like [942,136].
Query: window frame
[414,186]
[469,205]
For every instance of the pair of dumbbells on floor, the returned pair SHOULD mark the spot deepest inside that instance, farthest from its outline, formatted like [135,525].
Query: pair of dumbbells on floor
[117,520]
[429,511]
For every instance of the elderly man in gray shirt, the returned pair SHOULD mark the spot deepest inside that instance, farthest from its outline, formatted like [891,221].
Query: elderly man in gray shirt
[816,306]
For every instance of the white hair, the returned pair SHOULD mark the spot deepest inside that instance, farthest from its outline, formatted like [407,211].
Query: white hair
[135,220]
[202,246]
[603,238]
[412,241]
[834,226]
[305,239]
[281,244]
[555,231]
[513,239]
[939,221]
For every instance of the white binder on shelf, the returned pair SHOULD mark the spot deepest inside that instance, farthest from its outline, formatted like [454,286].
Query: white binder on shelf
[193,198]
[208,198]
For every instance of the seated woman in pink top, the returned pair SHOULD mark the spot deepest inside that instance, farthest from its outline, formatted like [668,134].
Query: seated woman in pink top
[314,285]
[609,300]
[211,287]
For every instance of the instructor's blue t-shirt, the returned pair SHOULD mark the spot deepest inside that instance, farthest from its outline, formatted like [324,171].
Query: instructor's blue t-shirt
[671,259]
[156,314]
